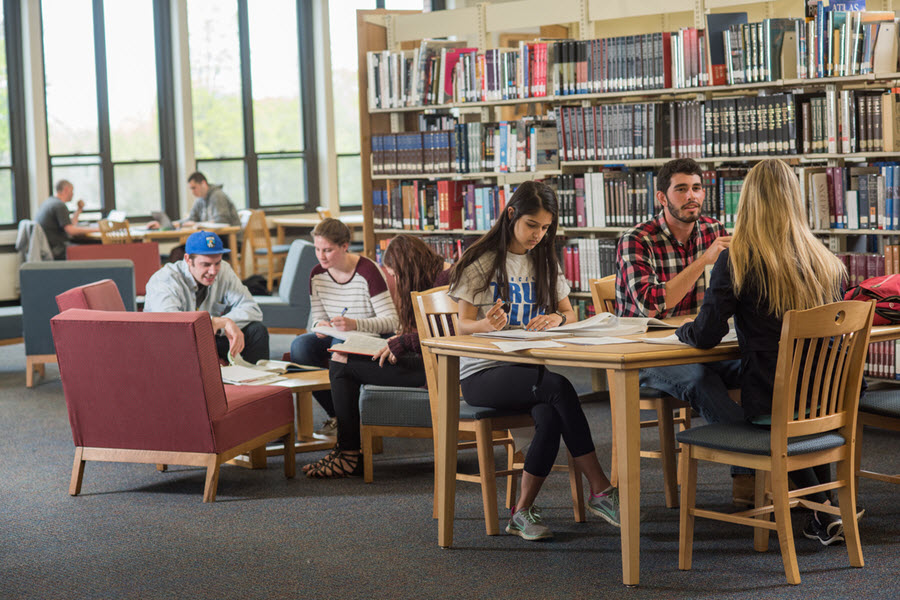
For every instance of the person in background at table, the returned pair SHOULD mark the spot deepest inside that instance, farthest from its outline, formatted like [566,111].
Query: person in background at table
[659,273]
[203,281]
[347,292]
[774,264]
[59,227]
[515,264]
[212,205]
[416,268]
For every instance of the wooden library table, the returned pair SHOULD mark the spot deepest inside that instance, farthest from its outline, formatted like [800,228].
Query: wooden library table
[622,362]
[282,223]
[181,236]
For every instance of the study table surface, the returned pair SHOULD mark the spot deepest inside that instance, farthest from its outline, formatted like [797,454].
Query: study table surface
[622,362]
[168,235]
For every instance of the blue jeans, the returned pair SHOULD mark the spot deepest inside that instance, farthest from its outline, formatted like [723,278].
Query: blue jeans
[310,349]
[705,387]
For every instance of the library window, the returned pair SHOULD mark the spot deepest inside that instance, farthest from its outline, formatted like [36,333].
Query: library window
[103,123]
[344,73]
[13,172]
[253,120]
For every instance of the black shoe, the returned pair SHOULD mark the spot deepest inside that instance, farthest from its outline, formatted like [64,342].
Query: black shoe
[824,527]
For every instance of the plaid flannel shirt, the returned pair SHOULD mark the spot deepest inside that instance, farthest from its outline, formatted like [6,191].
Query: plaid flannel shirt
[648,256]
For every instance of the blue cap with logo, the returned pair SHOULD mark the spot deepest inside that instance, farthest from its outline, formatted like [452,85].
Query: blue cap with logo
[205,242]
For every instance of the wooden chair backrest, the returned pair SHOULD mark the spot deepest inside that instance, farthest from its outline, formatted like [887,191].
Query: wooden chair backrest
[256,232]
[821,358]
[603,293]
[115,232]
[437,315]
[324,213]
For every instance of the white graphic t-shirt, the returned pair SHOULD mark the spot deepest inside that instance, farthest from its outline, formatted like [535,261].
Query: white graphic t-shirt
[521,298]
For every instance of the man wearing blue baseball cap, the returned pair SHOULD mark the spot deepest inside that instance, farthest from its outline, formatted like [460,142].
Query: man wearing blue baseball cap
[203,281]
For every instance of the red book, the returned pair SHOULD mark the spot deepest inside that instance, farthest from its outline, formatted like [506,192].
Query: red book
[667,59]
[576,269]
[455,204]
[567,264]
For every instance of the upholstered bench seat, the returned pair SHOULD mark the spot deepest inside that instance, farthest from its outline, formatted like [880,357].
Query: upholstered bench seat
[10,324]
[885,403]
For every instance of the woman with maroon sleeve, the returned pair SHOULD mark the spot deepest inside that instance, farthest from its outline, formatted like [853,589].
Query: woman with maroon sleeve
[416,268]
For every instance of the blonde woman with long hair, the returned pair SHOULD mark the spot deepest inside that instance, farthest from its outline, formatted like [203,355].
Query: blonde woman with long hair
[774,265]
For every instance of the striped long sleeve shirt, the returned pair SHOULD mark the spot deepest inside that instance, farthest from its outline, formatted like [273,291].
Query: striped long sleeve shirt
[365,297]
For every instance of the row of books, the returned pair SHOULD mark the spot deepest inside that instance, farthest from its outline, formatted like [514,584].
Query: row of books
[729,51]
[586,259]
[449,247]
[437,205]
[863,197]
[883,360]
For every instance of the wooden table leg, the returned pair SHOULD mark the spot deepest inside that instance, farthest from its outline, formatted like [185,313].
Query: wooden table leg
[233,259]
[447,431]
[303,425]
[624,393]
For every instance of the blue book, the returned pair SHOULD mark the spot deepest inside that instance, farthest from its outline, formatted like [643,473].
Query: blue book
[503,139]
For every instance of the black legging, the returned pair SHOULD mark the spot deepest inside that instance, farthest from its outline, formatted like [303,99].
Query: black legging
[346,378]
[554,407]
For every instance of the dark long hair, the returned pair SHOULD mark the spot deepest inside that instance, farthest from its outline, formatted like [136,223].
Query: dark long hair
[416,266]
[529,198]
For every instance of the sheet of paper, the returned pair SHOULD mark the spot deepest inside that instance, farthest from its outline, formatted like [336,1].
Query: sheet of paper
[598,320]
[672,339]
[526,345]
[237,375]
[597,341]
[340,335]
[519,334]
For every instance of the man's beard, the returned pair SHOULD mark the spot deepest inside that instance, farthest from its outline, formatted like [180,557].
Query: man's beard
[678,214]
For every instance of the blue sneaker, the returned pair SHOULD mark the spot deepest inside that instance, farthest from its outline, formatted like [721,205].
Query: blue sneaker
[528,524]
[606,505]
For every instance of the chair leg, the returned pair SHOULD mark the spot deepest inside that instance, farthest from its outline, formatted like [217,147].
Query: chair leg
[488,476]
[857,456]
[666,426]
[367,454]
[162,468]
[783,524]
[688,499]
[290,454]
[212,479]
[685,415]
[377,444]
[576,484]
[512,480]
[77,472]
[847,500]
[760,534]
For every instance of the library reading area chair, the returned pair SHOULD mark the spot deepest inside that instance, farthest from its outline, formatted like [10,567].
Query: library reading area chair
[99,295]
[288,310]
[115,232]
[814,411]
[603,293]
[881,409]
[130,402]
[409,412]
[258,244]
[144,255]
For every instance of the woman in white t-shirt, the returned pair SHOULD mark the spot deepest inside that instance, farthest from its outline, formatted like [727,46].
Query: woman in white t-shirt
[511,277]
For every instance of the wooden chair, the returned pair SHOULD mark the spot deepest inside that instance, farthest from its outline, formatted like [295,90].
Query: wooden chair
[258,244]
[115,232]
[878,408]
[814,411]
[324,213]
[603,292]
[437,315]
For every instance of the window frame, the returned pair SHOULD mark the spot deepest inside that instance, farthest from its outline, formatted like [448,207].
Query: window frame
[15,73]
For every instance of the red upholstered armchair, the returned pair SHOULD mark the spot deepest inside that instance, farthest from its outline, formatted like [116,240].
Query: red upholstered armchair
[100,295]
[146,388]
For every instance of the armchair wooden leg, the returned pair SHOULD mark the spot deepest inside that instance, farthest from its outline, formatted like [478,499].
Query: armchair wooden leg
[162,468]
[666,426]
[367,451]
[760,534]
[576,485]
[377,444]
[487,472]
[77,472]
[212,479]
[688,499]
[783,525]
[290,454]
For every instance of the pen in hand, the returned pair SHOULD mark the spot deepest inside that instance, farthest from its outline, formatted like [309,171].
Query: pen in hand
[344,312]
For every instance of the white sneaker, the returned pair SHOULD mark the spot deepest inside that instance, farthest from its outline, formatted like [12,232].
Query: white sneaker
[328,428]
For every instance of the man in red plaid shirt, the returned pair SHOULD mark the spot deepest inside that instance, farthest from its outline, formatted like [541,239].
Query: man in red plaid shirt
[660,263]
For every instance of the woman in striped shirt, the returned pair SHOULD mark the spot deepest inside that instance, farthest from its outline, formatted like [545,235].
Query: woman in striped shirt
[347,292]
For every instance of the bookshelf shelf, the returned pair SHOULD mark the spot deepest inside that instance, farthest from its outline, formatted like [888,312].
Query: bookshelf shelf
[520,175]
[457,232]
[857,232]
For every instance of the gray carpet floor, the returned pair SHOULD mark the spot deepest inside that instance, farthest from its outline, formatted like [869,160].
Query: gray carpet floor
[138,533]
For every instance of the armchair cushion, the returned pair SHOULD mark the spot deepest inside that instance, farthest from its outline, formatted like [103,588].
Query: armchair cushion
[10,322]
[881,402]
[100,295]
[257,408]
[145,257]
